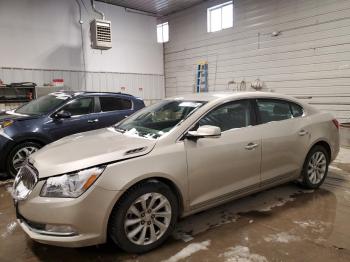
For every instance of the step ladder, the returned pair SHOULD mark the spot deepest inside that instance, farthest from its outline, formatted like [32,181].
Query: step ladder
[202,77]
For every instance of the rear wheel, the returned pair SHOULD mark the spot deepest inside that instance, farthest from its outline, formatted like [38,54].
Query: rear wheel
[144,217]
[18,155]
[315,168]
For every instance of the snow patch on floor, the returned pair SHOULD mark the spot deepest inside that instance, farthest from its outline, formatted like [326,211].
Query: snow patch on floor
[9,229]
[277,203]
[189,250]
[343,156]
[9,189]
[315,226]
[5,182]
[335,168]
[282,237]
[241,254]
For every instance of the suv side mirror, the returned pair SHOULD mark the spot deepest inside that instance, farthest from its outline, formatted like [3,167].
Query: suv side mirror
[205,131]
[63,114]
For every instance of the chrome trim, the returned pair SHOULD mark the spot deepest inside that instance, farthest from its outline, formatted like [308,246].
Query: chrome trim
[47,233]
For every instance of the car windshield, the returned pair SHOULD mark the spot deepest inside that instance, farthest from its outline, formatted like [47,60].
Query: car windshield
[157,120]
[44,104]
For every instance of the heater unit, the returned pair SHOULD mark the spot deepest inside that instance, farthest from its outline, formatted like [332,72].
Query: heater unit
[101,34]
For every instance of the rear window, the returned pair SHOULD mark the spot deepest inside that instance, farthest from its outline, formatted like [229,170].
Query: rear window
[273,110]
[110,103]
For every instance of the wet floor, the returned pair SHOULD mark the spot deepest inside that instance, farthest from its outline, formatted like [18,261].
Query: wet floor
[285,223]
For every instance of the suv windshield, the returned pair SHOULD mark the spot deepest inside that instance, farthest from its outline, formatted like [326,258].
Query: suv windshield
[44,104]
[156,120]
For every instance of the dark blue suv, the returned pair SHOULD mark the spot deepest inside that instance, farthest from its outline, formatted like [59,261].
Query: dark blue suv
[48,118]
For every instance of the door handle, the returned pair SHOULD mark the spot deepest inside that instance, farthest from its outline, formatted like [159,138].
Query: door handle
[251,146]
[303,132]
[93,121]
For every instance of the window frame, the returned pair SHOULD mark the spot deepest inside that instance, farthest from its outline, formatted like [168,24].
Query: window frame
[216,7]
[72,101]
[254,120]
[257,111]
[161,26]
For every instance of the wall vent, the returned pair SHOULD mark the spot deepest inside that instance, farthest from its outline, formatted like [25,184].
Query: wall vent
[101,34]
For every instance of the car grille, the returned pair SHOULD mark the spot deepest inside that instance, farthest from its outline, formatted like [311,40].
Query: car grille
[25,182]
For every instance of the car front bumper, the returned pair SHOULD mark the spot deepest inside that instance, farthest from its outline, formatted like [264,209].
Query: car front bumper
[87,214]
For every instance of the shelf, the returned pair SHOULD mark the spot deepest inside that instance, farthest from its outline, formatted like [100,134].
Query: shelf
[13,101]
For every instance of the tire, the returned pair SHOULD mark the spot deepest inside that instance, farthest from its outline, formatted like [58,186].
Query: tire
[124,211]
[24,150]
[315,167]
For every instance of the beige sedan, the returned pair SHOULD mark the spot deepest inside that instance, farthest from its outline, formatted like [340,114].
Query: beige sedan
[131,182]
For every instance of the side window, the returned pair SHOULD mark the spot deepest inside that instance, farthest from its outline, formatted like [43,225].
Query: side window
[81,106]
[229,116]
[297,110]
[110,103]
[273,110]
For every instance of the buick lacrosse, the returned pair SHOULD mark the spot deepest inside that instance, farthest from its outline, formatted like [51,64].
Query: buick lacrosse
[131,182]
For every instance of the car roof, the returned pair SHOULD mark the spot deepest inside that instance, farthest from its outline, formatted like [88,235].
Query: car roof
[218,96]
[89,93]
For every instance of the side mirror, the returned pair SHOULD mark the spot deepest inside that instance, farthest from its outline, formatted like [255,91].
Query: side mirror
[63,114]
[205,131]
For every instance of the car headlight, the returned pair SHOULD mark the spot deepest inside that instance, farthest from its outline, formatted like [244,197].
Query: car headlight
[71,185]
[6,123]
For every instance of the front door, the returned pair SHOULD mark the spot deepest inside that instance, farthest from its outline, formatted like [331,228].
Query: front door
[82,119]
[224,167]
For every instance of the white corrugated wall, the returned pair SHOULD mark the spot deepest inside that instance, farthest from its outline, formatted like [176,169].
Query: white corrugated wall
[150,87]
[309,59]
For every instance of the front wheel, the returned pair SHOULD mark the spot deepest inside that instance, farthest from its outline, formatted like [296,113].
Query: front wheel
[315,168]
[18,155]
[144,217]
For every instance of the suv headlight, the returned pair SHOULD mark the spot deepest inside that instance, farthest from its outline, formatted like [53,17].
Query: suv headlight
[71,185]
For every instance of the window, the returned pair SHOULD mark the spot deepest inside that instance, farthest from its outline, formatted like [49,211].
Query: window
[220,17]
[297,110]
[110,103]
[231,115]
[273,110]
[163,33]
[82,106]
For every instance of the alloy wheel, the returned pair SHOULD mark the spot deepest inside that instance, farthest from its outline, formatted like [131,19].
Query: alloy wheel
[21,155]
[316,168]
[147,219]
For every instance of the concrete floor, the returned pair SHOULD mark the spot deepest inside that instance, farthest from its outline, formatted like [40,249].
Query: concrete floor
[281,224]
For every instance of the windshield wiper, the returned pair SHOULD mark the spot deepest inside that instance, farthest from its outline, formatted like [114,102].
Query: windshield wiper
[120,130]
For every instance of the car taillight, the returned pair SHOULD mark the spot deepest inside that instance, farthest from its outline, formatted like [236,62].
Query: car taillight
[336,123]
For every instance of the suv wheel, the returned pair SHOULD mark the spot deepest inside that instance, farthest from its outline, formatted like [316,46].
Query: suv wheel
[144,217]
[315,168]
[18,155]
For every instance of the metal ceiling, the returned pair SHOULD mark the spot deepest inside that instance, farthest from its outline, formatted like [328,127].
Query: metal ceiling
[155,7]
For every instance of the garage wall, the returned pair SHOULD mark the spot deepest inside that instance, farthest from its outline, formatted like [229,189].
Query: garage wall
[42,39]
[309,59]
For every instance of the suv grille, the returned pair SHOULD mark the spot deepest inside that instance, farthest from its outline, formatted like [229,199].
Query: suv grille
[25,182]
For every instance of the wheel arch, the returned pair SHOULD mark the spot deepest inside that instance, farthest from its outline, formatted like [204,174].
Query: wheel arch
[325,145]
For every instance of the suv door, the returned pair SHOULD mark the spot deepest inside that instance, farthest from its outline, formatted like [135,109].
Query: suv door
[225,167]
[113,109]
[284,139]
[82,118]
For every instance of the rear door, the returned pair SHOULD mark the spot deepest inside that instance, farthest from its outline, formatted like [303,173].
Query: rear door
[113,109]
[285,139]
[83,118]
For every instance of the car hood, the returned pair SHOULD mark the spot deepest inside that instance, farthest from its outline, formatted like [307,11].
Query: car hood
[11,115]
[88,149]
